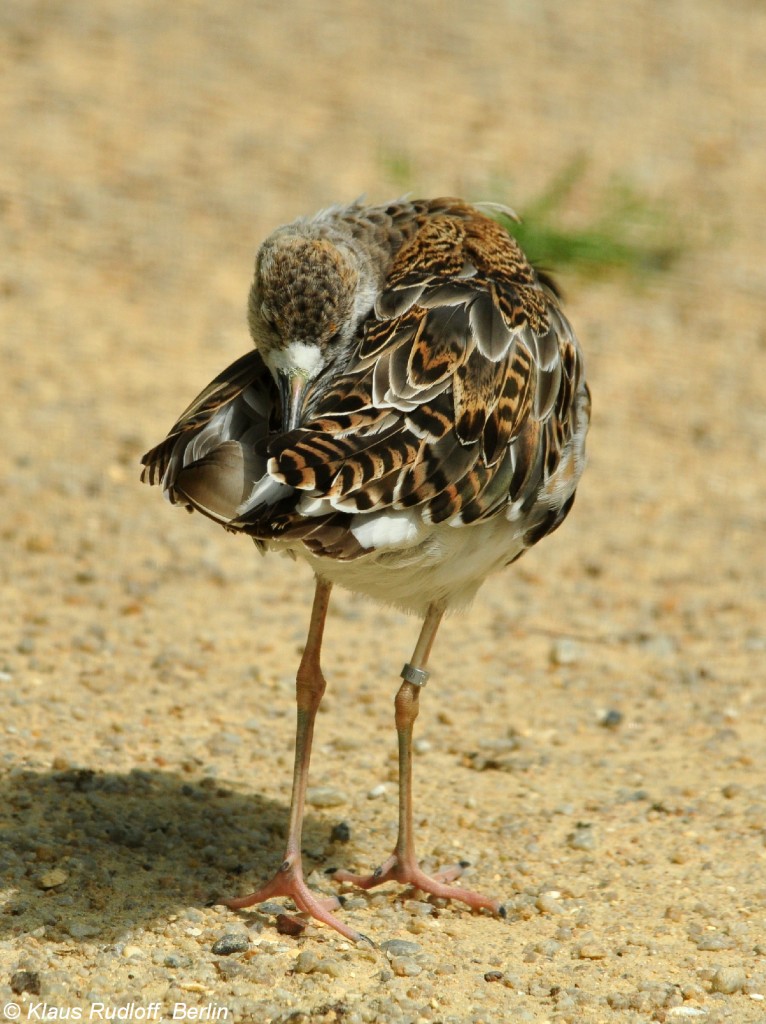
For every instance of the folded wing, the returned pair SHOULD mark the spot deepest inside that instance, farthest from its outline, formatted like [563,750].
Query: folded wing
[458,405]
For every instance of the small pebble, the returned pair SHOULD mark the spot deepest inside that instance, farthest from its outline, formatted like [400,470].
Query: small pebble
[547,947]
[82,930]
[691,990]
[417,925]
[659,643]
[325,796]
[305,962]
[493,976]
[330,967]
[287,925]
[419,908]
[445,968]
[513,981]
[591,951]
[547,904]
[564,652]
[583,838]
[405,967]
[232,942]
[352,902]
[130,951]
[271,908]
[25,981]
[232,970]
[611,719]
[341,833]
[400,947]
[728,980]
[714,942]
[501,744]
[377,791]
[53,878]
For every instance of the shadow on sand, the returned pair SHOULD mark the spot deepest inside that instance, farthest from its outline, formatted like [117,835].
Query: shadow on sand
[92,855]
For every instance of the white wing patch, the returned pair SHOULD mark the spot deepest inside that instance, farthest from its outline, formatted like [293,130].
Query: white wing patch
[387,529]
[267,491]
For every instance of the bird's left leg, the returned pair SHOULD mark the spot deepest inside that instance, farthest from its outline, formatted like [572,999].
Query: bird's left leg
[402,866]
[289,880]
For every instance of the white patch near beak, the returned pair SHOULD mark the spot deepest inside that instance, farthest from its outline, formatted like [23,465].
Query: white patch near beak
[298,357]
[294,368]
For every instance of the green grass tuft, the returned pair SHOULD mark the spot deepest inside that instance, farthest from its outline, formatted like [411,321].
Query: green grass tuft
[632,234]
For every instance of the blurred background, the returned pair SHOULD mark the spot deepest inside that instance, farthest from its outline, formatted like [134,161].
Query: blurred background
[147,149]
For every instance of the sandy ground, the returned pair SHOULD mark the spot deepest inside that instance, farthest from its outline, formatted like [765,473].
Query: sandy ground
[147,658]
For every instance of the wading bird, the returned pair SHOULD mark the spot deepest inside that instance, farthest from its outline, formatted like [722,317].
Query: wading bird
[411,419]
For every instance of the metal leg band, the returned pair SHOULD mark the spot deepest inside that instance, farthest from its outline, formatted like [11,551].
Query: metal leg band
[416,676]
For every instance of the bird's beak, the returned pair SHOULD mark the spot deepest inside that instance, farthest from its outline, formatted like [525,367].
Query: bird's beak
[292,393]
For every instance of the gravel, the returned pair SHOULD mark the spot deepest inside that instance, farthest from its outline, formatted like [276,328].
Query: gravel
[231,942]
[400,947]
[325,796]
[728,980]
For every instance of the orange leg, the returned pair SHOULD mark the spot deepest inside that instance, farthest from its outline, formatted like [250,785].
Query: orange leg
[402,866]
[288,880]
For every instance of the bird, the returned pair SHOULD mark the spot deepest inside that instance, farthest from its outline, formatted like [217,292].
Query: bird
[410,419]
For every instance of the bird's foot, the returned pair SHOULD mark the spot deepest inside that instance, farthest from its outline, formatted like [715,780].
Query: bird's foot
[406,871]
[289,881]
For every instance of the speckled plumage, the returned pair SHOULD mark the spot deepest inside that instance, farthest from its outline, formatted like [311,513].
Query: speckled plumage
[412,418]
[447,414]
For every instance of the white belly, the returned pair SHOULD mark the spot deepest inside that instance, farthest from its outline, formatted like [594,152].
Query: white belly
[445,564]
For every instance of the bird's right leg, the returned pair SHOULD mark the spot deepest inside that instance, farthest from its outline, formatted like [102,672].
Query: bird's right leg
[402,866]
[289,881]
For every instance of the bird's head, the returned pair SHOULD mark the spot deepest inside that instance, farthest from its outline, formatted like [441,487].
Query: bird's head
[304,308]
